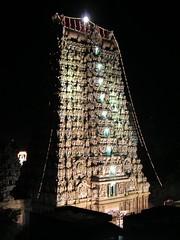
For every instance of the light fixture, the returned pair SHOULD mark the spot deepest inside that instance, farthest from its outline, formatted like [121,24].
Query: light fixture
[102,96]
[106,132]
[96,51]
[108,150]
[112,170]
[100,81]
[104,114]
[99,66]
[85,19]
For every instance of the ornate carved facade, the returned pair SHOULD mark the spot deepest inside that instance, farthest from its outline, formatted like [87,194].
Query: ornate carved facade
[97,164]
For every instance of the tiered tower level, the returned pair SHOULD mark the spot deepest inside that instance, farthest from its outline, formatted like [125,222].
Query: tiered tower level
[97,163]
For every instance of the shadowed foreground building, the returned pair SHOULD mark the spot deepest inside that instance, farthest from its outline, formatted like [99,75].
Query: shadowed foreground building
[70,222]
[161,223]
[91,159]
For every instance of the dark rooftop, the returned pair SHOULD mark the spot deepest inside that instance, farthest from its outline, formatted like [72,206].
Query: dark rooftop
[73,222]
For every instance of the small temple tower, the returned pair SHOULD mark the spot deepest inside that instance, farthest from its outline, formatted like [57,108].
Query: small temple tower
[92,159]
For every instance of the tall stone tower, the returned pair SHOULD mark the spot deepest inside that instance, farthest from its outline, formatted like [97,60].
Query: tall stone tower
[93,162]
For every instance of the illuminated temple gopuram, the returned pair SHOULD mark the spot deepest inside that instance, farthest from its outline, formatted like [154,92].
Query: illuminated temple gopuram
[93,163]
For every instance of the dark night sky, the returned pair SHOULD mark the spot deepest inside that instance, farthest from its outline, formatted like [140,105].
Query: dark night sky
[148,37]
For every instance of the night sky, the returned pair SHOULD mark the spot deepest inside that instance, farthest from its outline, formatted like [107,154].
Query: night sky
[148,37]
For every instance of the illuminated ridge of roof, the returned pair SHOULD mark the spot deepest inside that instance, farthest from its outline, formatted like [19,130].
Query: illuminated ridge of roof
[78,24]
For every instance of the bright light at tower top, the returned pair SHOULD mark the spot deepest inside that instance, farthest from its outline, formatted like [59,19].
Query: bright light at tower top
[22,155]
[85,19]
